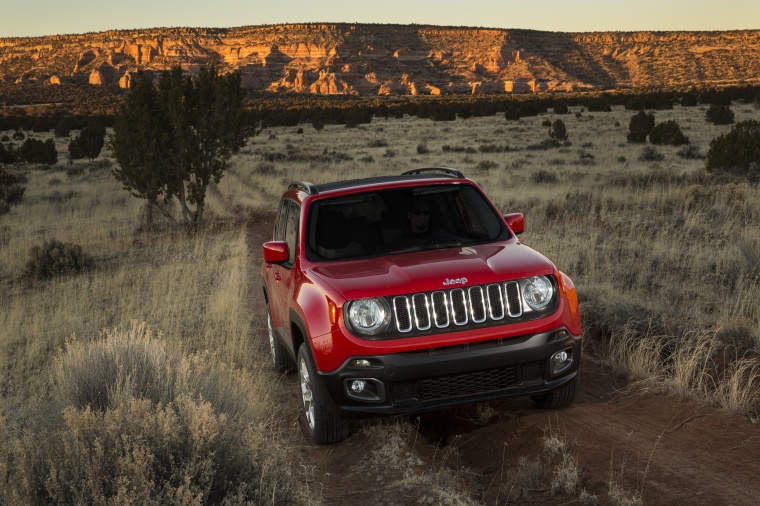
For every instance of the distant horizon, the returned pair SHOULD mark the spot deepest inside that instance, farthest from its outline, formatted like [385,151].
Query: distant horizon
[233,27]
[42,18]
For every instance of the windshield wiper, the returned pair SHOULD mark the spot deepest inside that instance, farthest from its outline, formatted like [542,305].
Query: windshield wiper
[426,247]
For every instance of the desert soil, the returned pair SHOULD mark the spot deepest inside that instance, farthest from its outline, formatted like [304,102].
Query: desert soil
[674,451]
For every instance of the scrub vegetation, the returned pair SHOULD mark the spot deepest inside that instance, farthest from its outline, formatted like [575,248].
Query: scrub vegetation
[143,370]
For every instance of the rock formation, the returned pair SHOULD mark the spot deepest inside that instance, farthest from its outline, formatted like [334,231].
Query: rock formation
[355,59]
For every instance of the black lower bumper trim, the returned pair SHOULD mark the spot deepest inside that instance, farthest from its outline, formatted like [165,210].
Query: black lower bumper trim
[434,379]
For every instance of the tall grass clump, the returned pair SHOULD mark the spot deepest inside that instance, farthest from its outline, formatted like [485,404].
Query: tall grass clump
[693,365]
[134,421]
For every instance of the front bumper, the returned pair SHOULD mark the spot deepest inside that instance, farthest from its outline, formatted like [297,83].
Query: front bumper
[443,377]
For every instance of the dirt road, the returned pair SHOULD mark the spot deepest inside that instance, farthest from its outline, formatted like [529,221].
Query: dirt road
[672,451]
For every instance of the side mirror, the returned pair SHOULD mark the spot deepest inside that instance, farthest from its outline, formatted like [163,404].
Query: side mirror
[516,222]
[275,252]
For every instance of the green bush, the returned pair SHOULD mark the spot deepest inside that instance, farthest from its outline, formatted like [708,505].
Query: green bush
[37,151]
[640,126]
[558,130]
[668,132]
[738,149]
[55,258]
[8,155]
[88,143]
[719,114]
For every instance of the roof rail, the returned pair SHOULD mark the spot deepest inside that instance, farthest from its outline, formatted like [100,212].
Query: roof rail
[304,186]
[442,170]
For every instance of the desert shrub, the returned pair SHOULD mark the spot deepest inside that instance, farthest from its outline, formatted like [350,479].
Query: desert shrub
[390,153]
[64,127]
[738,149]
[11,190]
[543,176]
[558,130]
[598,105]
[145,424]
[9,155]
[367,159]
[378,143]
[491,148]
[640,126]
[690,152]
[37,151]
[18,135]
[274,156]
[5,138]
[461,149]
[546,144]
[650,154]
[669,133]
[546,123]
[561,108]
[74,170]
[55,258]
[486,165]
[444,113]
[265,169]
[422,149]
[719,114]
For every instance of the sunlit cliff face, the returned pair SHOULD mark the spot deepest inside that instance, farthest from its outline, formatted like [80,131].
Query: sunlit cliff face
[393,59]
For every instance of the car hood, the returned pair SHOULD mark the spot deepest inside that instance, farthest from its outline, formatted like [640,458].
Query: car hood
[425,271]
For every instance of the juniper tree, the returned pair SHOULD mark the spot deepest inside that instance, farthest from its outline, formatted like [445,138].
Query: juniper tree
[173,140]
[558,130]
[88,143]
[640,126]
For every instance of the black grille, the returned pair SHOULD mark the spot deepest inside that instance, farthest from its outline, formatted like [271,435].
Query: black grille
[514,304]
[471,383]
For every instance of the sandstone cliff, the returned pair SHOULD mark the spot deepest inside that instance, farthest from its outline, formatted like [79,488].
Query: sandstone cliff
[355,59]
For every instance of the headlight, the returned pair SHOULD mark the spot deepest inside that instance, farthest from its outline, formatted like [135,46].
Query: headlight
[537,292]
[369,316]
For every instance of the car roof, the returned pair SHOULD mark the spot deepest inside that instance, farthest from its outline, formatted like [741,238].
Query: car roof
[424,174]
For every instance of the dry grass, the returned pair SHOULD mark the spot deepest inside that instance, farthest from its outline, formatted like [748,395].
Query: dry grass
[392,450]
[664,255]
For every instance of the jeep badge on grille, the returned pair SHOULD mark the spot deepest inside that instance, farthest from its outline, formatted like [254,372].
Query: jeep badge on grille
[455,281]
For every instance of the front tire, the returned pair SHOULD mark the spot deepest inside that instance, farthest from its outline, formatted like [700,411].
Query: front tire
[281,361]
[560,397]
[325,427]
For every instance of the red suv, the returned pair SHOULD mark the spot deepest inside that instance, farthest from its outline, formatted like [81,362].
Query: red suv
[408,293]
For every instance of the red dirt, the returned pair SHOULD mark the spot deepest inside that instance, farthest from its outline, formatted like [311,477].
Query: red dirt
[674,451]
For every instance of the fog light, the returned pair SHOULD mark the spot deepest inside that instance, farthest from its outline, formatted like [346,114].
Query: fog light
[360,362]
[358,386]
[561,361]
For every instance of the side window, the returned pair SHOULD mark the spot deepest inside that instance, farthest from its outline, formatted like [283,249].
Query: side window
[282,216]
[291,233]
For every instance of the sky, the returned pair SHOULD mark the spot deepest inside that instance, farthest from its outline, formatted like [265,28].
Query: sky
[28,18]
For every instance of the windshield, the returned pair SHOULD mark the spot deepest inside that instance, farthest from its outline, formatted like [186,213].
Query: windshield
[400,221]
